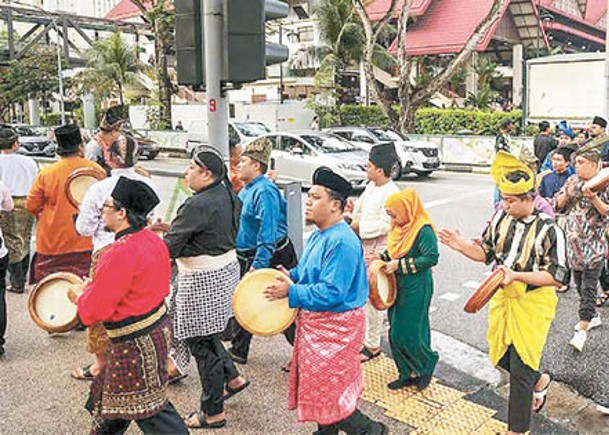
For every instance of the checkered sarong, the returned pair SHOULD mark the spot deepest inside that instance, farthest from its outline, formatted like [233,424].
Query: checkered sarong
[201,305]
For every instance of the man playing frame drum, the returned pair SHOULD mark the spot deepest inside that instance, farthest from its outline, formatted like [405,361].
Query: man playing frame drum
[371,222]
[127,292]
[325,376]
[533,269]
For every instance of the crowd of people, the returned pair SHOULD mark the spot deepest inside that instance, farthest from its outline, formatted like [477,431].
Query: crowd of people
[144,326]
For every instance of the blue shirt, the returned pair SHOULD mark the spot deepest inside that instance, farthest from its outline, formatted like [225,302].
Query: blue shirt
[552,183]
[331,275]
[263,220]
[547,165]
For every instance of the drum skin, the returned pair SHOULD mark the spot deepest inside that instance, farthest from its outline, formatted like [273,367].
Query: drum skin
[79,182]
[485,292]
[49,305]
[383,287]
[254,311]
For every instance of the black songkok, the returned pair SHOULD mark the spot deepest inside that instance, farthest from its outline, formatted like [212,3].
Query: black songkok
[136,196]
[68,138]
[566,151]
[209,158]
[330,180]
[600,121]
[113,118]
[383,155]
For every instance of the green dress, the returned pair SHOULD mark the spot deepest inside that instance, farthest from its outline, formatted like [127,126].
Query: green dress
[409,331]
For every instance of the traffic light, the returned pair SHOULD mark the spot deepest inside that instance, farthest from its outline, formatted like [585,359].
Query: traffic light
[189,43]
[248,52]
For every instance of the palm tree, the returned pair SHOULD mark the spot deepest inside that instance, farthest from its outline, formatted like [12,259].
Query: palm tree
[114,60]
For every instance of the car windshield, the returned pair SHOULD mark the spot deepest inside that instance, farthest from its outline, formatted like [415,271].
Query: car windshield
[328,144]
[252,129]
[387,134]
[24,130]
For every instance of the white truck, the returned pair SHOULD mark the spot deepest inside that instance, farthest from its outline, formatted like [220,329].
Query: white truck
[567,87]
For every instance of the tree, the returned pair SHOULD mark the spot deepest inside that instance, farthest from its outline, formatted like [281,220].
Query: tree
[34,76]
[486,70]
[411,95]
[162,17]
[113,60]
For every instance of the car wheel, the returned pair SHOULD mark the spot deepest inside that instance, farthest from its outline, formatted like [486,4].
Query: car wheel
[396,171]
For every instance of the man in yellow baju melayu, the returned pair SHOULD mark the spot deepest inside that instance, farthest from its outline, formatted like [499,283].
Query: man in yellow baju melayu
[530,248]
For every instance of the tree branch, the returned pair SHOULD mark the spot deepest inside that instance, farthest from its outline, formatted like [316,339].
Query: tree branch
[480,32]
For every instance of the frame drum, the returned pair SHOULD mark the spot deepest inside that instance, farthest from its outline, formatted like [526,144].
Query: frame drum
[485,292]
[254,311]
[49,305]
[599,181]
[79,182]
[383,287]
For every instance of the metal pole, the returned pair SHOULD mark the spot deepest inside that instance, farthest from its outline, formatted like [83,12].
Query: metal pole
[60,76]
[280,68]
[215,60]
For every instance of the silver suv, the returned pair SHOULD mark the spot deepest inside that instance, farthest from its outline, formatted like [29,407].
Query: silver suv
[419,157]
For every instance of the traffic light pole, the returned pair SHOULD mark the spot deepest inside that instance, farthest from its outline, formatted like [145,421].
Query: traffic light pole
[215,60]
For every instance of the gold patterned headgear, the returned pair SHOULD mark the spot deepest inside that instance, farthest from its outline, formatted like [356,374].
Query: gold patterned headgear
[506,164]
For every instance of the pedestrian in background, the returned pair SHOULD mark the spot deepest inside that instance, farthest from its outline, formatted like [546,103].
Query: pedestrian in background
[18,173]
[544,142]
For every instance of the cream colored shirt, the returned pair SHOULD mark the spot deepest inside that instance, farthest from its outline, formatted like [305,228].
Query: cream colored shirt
[369,209]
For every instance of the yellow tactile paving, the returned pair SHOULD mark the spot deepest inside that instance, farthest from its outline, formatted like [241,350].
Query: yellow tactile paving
[436,410]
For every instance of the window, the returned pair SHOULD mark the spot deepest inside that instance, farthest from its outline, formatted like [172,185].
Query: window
[343,134]
[274,140]
[290,143]
[362,138]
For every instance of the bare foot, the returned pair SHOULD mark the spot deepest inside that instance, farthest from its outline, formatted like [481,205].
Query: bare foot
[237,382]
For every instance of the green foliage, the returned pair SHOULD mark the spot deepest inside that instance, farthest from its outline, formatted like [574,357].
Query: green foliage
[51,119]
[486,70]
[427,121]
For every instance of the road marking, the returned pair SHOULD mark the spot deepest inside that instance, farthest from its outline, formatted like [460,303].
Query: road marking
[455,198]
[450,296]
[471,284]
[432,309]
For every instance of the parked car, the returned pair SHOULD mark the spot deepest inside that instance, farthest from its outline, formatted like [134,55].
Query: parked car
[297,154]
[243,132]
[147,148]
[34,142]
[419,157]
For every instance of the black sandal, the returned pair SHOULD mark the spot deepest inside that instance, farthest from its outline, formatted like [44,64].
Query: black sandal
[369,355]
[203,424]
[232,391]
[602,299]
[86,374]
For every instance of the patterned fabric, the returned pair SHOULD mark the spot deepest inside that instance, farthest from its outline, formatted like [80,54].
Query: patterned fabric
[16,228]
[534,243]
[96,338]
[77,263]
[325,376]
[586,229]
[201,305]
[132,384]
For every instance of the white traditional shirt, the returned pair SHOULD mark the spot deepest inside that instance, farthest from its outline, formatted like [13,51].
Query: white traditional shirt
[369,209]
[6,204]
[89,221]
[17,172]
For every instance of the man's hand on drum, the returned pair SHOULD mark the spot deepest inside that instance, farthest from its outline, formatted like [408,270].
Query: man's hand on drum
[510,275]
[278,290]
[452,238]
[283,270]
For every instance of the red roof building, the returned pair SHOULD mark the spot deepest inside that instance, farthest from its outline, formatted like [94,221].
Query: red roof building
[126,10]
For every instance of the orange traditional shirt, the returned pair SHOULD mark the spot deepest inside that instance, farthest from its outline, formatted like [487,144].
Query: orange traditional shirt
[48,201]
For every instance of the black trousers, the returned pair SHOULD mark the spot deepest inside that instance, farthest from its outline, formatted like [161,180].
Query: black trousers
[286,257]
[167,421]
[522,384]
[18,273]
[216,369]
[586,282]
[604,278]
[356,423]
[3,267]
